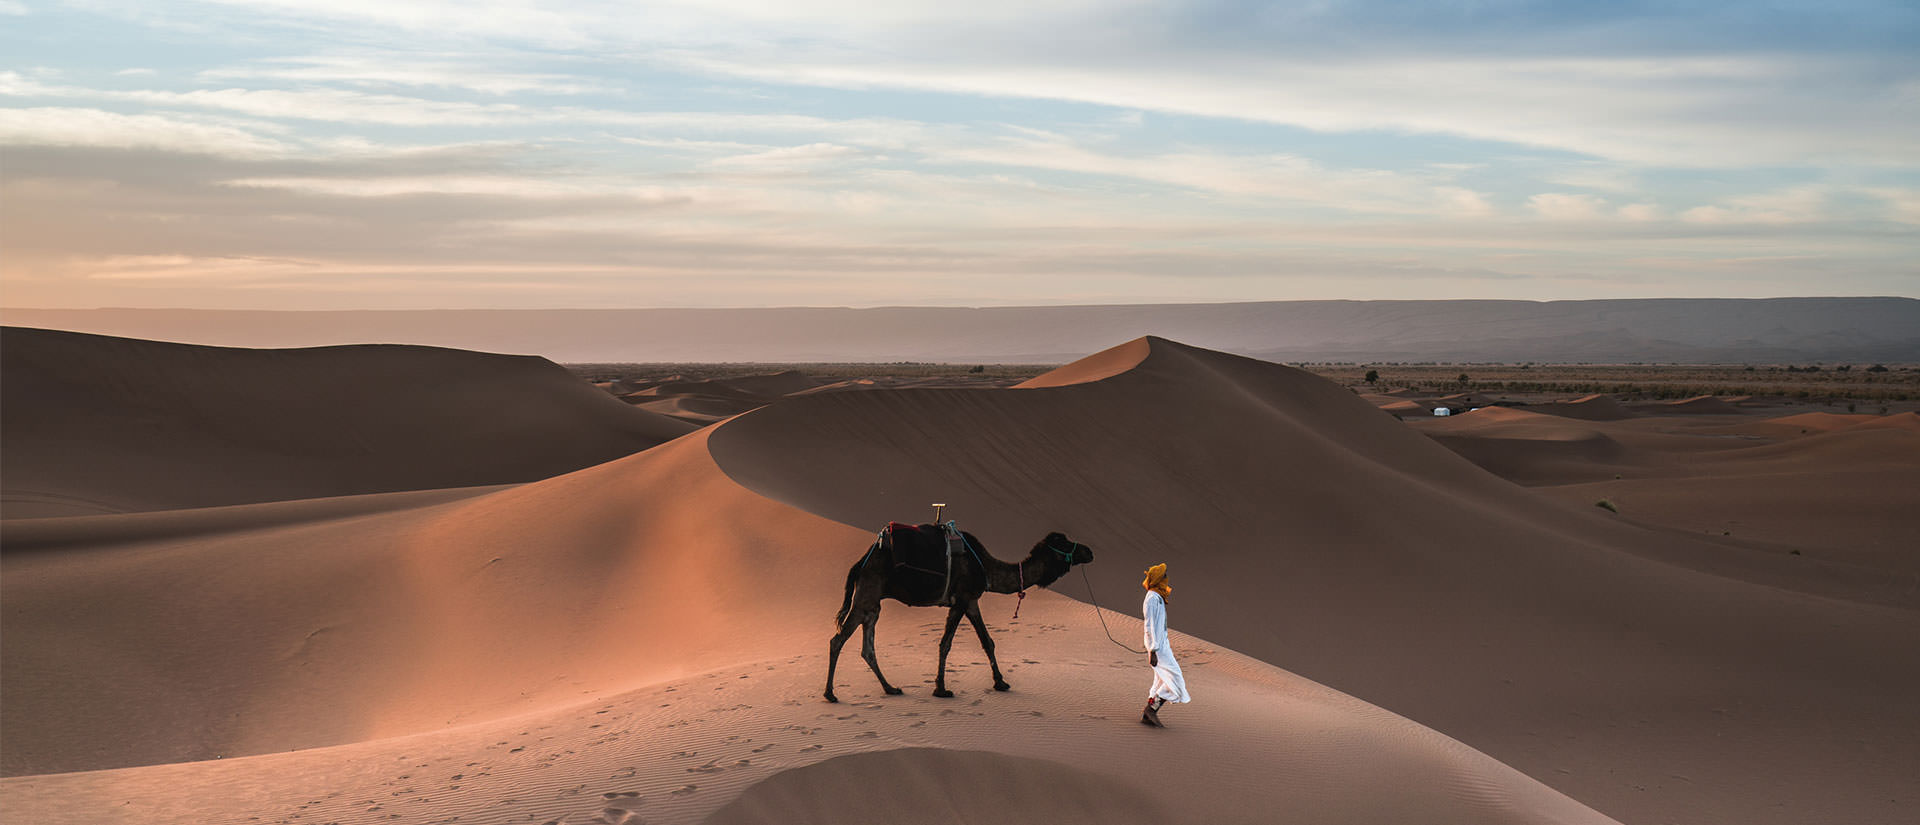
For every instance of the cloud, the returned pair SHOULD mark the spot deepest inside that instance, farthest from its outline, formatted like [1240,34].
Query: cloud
[789,158]
[58,126]
[515,187]
[381,70]
[1562,206]
[1801,204]
[1639,212]
[1187,149]
[1277,177]
[1707,85]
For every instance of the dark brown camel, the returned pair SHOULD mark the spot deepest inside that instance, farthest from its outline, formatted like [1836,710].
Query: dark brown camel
[910,565]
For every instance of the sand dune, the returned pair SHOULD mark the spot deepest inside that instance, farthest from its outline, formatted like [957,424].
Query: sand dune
[591,649]
[1836,486]
[1697,405]
[1908,421]
[1804,424]
[1847,495]
[1383,565]
[107,425]
[704,402]
[681,749]
[643,640]
[1588,407]
[1529,447]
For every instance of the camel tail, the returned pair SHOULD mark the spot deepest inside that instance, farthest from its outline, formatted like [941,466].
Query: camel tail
[846,601]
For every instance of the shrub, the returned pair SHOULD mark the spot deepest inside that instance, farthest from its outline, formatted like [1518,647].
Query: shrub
[1607,505]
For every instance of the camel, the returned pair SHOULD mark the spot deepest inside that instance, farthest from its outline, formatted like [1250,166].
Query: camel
[911,565]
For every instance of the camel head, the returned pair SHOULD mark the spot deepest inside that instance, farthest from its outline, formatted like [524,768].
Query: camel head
[1058,554]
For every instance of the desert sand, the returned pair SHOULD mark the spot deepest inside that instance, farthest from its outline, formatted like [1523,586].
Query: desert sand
[114,425]
[1376,629]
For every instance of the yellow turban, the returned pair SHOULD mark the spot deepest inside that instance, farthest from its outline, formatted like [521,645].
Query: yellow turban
[1157,581]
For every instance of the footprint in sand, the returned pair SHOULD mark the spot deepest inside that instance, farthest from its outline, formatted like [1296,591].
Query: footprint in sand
[763,748]
[867,735]
[617,816]
[685,790]
[810,748]
[619,794]
[710,767]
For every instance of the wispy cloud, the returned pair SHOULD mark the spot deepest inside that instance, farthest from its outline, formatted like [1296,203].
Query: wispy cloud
[922,151]
[375,70]
[60,126]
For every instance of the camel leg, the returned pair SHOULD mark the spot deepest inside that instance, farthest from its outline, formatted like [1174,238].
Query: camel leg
[946,644]
[833,655]
[866,652]
[986,643]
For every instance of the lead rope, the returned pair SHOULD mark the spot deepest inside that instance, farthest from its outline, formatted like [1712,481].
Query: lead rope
[1097,612]
[1022,593]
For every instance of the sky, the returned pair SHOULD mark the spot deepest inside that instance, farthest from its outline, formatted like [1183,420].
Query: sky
[400,154]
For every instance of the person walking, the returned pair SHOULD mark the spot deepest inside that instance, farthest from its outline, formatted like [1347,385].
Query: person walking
[1168,683]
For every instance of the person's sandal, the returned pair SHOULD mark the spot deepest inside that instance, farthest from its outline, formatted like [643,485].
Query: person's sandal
[1151,716]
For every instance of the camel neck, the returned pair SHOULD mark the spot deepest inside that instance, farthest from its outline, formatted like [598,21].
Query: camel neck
[1010,578]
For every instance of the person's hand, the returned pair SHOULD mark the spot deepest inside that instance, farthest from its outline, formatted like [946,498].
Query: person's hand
[1153,658]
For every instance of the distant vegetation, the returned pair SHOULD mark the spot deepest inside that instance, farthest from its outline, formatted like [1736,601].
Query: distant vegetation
[1814,382]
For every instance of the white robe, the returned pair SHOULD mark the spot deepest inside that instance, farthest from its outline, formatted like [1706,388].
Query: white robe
[1168,683]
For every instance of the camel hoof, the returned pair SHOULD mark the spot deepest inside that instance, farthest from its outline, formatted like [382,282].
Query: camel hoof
[893,691]
[1002,686]
[832,698]
[943,693]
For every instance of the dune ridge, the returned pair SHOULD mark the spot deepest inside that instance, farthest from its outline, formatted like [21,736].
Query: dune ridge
[589,649]
[643,640]
[108,425]
[1386,566]
[1841,488]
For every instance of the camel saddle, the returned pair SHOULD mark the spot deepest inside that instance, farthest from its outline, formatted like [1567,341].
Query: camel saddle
[922,560]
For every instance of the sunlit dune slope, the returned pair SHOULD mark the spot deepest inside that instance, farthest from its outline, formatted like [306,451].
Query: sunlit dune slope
[214,642]
[638,641]
[737,738]
[1648,674]
[106,425]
